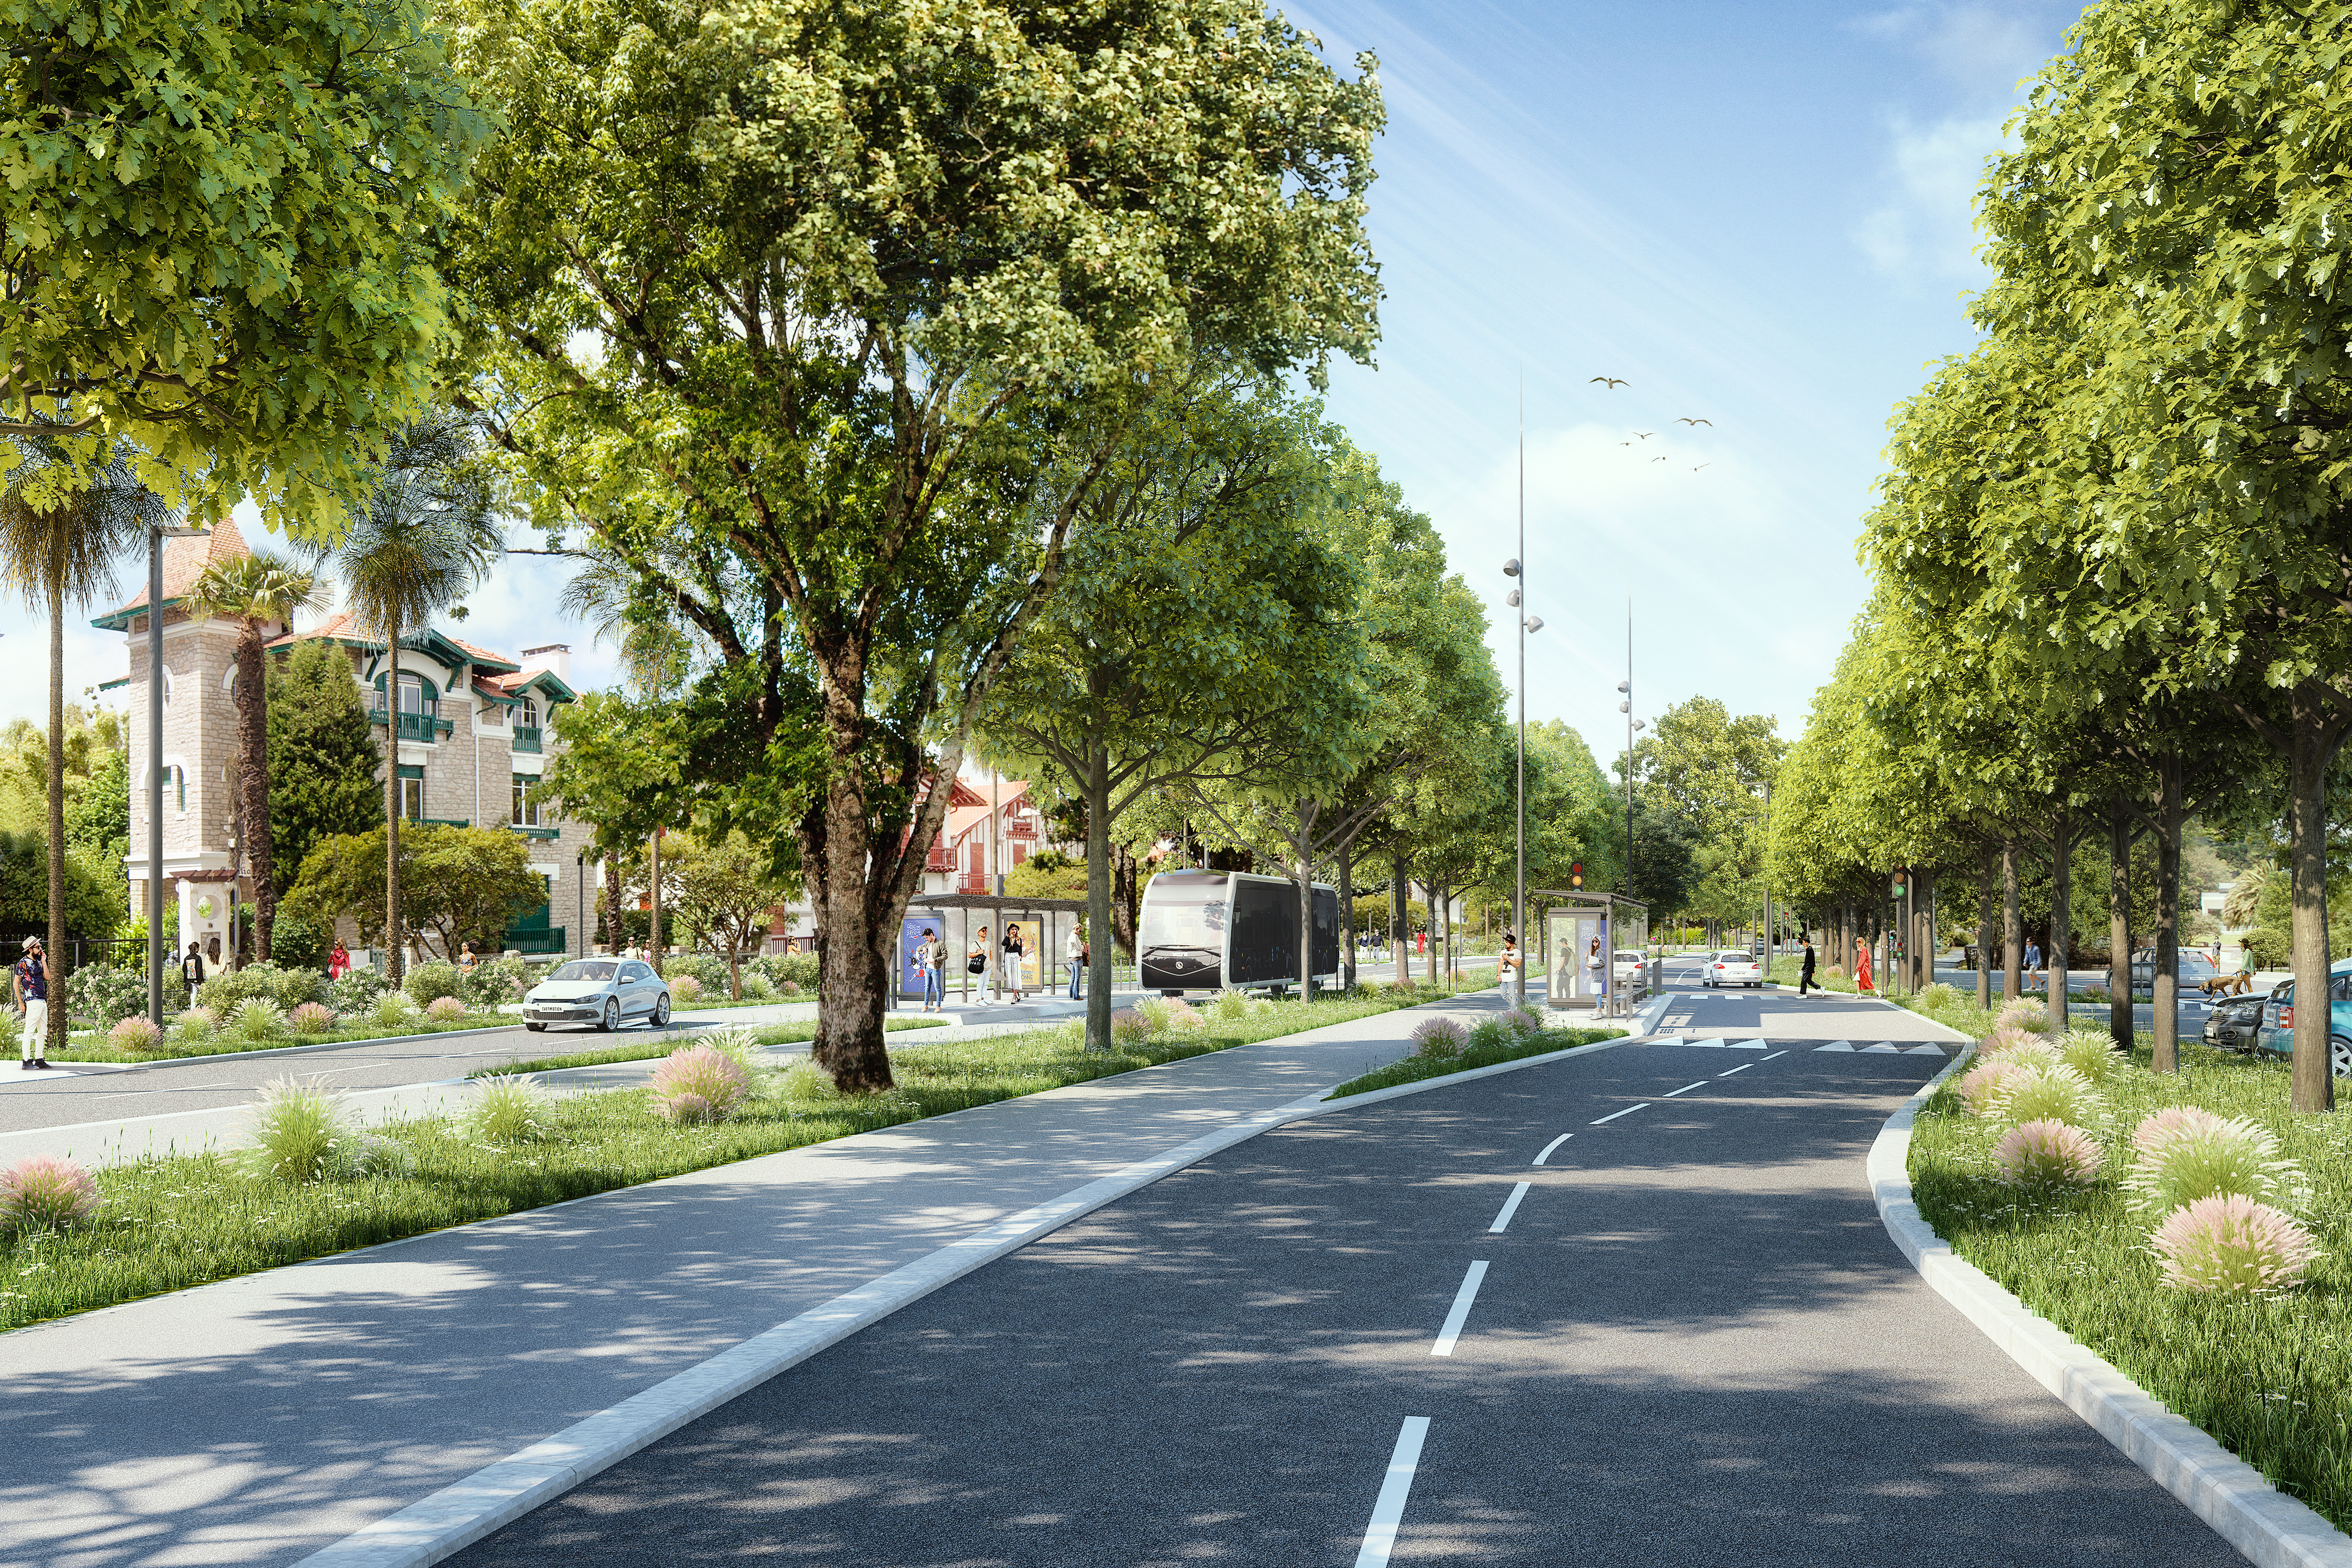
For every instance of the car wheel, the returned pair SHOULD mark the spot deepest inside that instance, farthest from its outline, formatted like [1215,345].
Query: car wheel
[612,1014]
[2339,1056]
[661,1012]
[536,1028]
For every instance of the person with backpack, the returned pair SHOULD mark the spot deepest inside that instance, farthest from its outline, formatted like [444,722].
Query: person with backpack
[930,958]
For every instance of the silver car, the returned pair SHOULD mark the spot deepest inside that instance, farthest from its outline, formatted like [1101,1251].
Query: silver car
[604,993]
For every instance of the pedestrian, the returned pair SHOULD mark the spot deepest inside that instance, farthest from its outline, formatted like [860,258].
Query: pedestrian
[1073,951]
[30,987]
[976,961]
[1509,960]
[192,974]
[338,961]
[1805,980]
[2033,962]
[1421,944]
[930,957]
[1862,970]
[1015,953]
[469,955]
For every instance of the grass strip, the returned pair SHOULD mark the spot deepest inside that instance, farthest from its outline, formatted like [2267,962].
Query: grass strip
[2271,1379]
[1415,1069]
[775,1035]
[226,1044]
[164,1225]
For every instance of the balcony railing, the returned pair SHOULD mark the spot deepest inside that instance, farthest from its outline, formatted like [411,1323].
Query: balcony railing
[526,738]
[529,832]
[415,726]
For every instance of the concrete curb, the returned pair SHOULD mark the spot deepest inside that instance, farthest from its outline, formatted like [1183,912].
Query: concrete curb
[504,1490]
[2265,1525]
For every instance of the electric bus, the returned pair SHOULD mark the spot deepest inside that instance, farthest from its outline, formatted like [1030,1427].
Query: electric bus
[1229,931]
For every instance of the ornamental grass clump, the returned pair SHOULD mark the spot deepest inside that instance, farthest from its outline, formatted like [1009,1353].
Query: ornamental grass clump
[1229,1006]
[1130,1027]
[1984,1087]
[44,1192]
[195,1026]
[2007,1037]
[312,1018]
[2090,1053]
[1519,1021]
[297,1134]
[2231,1244]
[445,1009]
[2045,1155]
[135,1035]
[699,1083]
[1939,995]
[511,1110]
[1439,1037]
[393,1010]
[2022,1013]
[2053,1094]
[2195,1159]
[685,990]
[258,1020]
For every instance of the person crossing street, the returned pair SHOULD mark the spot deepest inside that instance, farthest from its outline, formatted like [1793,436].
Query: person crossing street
[1805,980]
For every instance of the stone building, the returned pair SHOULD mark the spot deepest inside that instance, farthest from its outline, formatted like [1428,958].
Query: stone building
[473,739]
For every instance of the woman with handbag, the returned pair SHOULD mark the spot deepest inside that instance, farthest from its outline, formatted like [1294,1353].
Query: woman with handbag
[976,960]
[1015,953]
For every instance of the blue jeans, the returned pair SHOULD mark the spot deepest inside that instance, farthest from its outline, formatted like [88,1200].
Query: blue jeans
[931,995]
[1076,971]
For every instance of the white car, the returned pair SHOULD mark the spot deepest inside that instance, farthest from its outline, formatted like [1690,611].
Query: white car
[1633,966]
[1731,967]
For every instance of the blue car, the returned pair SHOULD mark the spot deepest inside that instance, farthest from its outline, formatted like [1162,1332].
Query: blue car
[2276,1035]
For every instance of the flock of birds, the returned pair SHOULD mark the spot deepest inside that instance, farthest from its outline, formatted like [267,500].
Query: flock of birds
[1611,383]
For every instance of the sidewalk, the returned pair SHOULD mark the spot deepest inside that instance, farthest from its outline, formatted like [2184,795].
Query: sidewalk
[257,1419]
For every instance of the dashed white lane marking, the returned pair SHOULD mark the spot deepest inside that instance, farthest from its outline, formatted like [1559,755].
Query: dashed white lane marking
[1548,1148]
[1510,1208]
[1685,1090]
[1388,1509]
[1627,1112]
[1451,1329]
[1743,1067]
[1774,1053]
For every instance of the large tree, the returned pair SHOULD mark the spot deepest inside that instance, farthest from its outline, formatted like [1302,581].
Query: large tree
[260,593]
[784,304]
[322,757]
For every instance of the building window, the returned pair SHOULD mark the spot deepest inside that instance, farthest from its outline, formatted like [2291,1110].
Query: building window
[526,801]
[412,792]
[180,784]
[527,713]
[419,707]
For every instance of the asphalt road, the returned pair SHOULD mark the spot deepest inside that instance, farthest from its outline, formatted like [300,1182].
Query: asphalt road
[1632,1308]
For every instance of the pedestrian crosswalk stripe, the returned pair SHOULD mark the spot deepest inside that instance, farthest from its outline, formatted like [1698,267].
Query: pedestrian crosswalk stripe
[1837,1046]
[1882,1049]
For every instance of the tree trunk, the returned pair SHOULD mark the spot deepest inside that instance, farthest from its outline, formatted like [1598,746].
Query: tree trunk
[1123,903]
[394,965]
[2165,982]
[253,766]
[1347,917]
[2062,912]
[2119,988]
[1305,902]
[656,946]
[2012,935]
[613,927]
[850,1044]
[2312,743]
[53,961]
[1402,891]
[1100,973]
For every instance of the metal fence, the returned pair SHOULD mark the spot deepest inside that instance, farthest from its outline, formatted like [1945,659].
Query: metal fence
[126,953]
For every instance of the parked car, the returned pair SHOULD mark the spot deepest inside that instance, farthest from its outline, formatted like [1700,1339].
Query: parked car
[1631,969]
[2276,1035]
[2196,968]
[1732,967]
[602,993]
[2234,1023]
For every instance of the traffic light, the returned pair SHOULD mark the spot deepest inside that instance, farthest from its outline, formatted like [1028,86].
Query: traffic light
[1576,874]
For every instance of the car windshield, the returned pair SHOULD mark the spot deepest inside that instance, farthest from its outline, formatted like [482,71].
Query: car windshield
[582,970]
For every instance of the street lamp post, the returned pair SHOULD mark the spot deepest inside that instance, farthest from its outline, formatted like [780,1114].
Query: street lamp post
[156,534]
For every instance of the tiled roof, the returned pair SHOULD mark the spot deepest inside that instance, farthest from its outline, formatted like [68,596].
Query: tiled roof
[185,561]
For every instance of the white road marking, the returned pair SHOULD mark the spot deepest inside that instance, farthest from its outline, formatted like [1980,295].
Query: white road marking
[1451,1329]
[1837,1046]
[1627,1112]
[1747,1045]
[1388,1509]
[1685,1090]
[1883,1049]
[1925,1051]
[1743,1067]
[1774,1053]
[1511,1207]
[1549,1147]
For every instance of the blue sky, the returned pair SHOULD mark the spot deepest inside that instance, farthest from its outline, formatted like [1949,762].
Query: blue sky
[1754,215]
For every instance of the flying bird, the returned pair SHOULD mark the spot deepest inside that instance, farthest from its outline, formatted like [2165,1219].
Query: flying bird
[1709,423]
[1621,444]
[1613,382]
[1645,435]
[1703,465]
[1657,459]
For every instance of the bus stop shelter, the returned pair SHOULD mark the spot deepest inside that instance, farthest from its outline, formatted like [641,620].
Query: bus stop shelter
[1045,924]
[1583,933]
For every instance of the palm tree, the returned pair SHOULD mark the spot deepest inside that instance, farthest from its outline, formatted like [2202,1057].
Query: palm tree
[66,519]
[425,533]
[256,591]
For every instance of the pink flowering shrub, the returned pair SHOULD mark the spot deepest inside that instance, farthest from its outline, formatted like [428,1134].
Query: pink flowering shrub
[1982,1088]
[2023,1013]
[445,1009]
[135,1034]
[1519,1021]
[2204,1156]
[1438,1037]
[699,1083]
[312,1018]
[2047,1154]
[42,1191]
[1128,1026]
[2005,1038]
[2156,1133]
[2232,1245]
